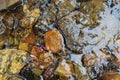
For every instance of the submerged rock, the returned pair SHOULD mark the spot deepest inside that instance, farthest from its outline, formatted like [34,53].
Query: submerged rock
[73,24]
[53,41]
[64,68]
[89,27]
[8,20]
[9,77]
[64,7]
[110,76]
[12,61]
[5,4]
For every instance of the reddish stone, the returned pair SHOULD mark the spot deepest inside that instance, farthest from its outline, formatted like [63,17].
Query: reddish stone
[30,39]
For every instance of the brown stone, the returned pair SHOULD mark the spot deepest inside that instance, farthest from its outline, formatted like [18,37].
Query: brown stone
[30,39]
[92,59]
[53,40]
[8,20]
[110,76]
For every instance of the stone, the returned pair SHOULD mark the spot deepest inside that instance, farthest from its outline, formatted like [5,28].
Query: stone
[8,20]
[23,46]
[5,4]
[92,59]
[11,58]
[64,68]
[110,76]
[10,77]
[46,59]
[53,41]
[75,25]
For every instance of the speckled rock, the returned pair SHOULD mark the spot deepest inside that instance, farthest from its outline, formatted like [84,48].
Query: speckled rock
[11,58]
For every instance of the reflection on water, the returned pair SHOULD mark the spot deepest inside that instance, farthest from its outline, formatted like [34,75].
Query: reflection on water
[106,32]
[105,36]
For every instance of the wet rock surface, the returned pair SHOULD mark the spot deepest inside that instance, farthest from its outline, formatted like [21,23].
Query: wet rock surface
[65,40]
[11,62]
[5,4]
[53,41]
[110,76]
[73,24]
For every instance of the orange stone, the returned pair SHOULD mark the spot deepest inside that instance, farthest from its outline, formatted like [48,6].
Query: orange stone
[30,39]
[34,52]
[53,40]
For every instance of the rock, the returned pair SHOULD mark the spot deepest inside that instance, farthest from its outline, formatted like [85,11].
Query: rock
[73,24]
[53,41]
[5,4]
[30,39]
[3,77]
[14,78]
[64,68]
[37,50]
[37,71]
[8,20]
[23,46]
[81,72]
[54,10]
[90,12]
[2,41]
[34,51]
[10,77]
[46,59]
[11,58]
[43,58]
[64,7]
[110,76]
[92,59]
[29,19]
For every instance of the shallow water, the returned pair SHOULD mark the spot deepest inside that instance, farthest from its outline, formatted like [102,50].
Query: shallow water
[86,40]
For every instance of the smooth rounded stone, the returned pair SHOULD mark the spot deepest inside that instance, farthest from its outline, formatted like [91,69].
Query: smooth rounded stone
[12,60]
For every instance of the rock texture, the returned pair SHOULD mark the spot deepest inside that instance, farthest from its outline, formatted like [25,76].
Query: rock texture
[5,4]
